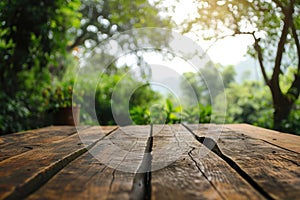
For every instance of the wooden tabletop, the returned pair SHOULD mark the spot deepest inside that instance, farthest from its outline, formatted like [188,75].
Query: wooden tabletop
[150,162]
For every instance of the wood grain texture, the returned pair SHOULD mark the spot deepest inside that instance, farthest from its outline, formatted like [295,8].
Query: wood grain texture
[287,141]
[25,172]
[197,174]
[274,169]
[179,179]
[88,178]
[18,143]
[114,162]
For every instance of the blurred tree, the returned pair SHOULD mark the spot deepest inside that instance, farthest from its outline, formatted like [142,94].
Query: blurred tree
[33,35]
[103,18]
[249,102]
[228,74]
[191,86]
[36,38]
[274,26]
[141,98]
[196,84]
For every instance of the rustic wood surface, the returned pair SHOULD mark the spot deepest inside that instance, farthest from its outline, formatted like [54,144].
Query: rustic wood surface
[235,161]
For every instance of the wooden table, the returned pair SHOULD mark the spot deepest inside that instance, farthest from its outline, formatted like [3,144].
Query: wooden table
[150,162]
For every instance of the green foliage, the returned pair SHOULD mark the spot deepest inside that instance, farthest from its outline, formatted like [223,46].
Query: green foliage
[228,73]
[250,103]
[202,114]
[108,84]
[263,17]
[205,113]
[103,18]
[172,112]
[140,115]
[33,36]
[291,125]
[24,110]
[144,95]
[169,113]
[33,40]
[103,97]
[13,114]
[158,113]
[196,84]
[60,96]
[274,26]
[36,38]
[193,86]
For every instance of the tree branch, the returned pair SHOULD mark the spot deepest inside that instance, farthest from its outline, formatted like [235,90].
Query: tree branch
[294,90]
[259,54]
[77,42]
[260,59]
[189,26]
[216,40]
[297,43]
[278,3]
[280,48]
[257,48]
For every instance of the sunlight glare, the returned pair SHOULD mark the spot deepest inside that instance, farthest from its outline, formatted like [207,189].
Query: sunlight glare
[227,51]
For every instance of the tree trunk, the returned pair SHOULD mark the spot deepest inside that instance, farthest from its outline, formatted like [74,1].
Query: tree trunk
[282,109]
[283,103]
[281,113]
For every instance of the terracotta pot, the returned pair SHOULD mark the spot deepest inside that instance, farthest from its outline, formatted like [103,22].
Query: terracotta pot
[67,116]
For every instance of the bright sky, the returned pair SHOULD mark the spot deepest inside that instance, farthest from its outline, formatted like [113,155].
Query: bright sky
[230,50]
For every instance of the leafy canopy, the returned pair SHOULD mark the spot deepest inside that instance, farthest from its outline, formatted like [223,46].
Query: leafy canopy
[274,26]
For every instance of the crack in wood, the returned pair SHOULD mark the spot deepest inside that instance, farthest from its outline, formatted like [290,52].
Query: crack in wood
[114,171]
[279,146]
[43,177]
[141,188]
[290,160]
[112,180]
[213,146]
[202,172]
[23,191]
[34,139]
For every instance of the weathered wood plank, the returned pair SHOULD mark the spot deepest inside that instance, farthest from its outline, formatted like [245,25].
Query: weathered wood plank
[194,175]
[88,178]
[180,179]
[22,174]
[269,168]
[18,143]
[58,166]
[287,141]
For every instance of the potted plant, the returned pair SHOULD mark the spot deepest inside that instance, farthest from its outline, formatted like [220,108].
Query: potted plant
[58,101]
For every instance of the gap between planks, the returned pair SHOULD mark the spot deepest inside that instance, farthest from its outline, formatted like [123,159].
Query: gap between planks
[141,188]
[89,178]
[193,176]
[266,166]
[31,181]
[213,146]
